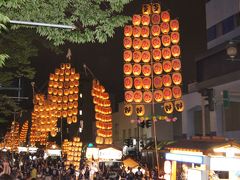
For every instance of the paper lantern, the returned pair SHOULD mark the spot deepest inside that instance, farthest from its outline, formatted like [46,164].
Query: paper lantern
[177,92]
[127,68]
[53,133]
[175,37]
[157,54]
[166,40]
[155,19]
[128,82]
[166,53]
[156,42]
[137,69]
[128,96]
[136,32]
[146,9]
[145,31]
[138,83]
[146,70]
[68,66]
[156,8]
[175,50]
[146,82]
[155,30]
[146,56]
[140,110]
[165,27]
[137,56]
[174,24]
[167,94]
[128,30]
[179,105]
[176,64]
[99,140]
[157,82]
[158,95]
[62,66]
[136,20]
[147,96]
[165,16]
[145,19]
[168,107]
[157,68]
[145,44]
[177,78]
[73,71]
[167,80]
[167,66]
[137,43]
[127,42]
[128,109]
[137,96]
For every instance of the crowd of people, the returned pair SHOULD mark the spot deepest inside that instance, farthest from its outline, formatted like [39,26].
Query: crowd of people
[26,167]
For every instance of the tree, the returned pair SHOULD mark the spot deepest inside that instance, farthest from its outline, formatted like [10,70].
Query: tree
[95,20]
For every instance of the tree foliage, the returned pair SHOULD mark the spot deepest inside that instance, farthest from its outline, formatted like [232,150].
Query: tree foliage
[95,20]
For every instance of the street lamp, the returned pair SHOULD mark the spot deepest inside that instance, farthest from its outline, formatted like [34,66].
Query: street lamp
[232,50]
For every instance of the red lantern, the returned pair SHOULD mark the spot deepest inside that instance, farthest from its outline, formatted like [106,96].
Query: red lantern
[145,31]
[146,56]
[157,81]
[165,16]
[165,27]
[138,83]
[175,37]
[167,94]
[146,82]
[155,18]
[157,54]
[147,96]
[175,50]
[145,20]
[136,20]
[157,68]
[176,64]
[177,92]
[137,96]
[158,95]
[137,56]
[127,42]
[129,96]
[174,24]
[155,29]
[167,66]
[156,42]
[146,70]
[167,80]
[128,30]
[137,69]
[128,82]
[145,44]
[166,40]
[136,32]
[137,43]
[127,55]
[127,69]
[166,53]
[177,78]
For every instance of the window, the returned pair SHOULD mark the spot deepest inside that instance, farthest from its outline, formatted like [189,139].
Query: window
[228,24]
[211,33]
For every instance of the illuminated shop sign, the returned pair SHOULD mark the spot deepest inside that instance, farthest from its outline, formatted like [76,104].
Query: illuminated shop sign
[184,158]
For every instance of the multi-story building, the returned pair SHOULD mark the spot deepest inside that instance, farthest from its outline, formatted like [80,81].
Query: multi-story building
[216,71]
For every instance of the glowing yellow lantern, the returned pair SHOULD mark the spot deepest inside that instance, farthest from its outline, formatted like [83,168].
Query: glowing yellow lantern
[177,92]
[156,8]
[145,19]
[129,96]
[145,44]
[158,95]
[167,80]
[165,16]
[146,70]
[138,83]
[175,37]
[157,82]
[167,66]
[155,18]
[146,56]
[175,50]
[156,42]
[136,32]
[137,69]
[127,42]
[137,96]
[165,27]
[157,68]
[137,55]
[176,64]
[146,82]
[167,94]
[157,54]
[137,43]
[146,9]
[127,68]
[145,31]
[127,55]
[128,82]
[147,96]
[128,109]
[174,24]
[168,107]
[140,110]
[166,53]
[136,20]
[179,105]
[128,30]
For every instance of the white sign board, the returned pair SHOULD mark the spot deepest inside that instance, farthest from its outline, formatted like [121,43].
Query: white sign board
[110,153]
[92,153]
[224,164]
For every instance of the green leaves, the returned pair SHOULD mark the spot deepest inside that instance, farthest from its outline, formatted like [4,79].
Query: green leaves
[3,57]
[95,20]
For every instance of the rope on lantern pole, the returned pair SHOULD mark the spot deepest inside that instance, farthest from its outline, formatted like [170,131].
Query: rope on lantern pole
[30,23]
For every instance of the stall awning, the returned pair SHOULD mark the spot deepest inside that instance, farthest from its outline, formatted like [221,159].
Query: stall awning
[129,162]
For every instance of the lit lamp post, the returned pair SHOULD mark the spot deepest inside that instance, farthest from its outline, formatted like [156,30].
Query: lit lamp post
[232,50]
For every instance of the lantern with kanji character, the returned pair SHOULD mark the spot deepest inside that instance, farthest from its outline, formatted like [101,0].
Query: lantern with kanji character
[127,42]
[146,56]
[167,66]
[177,78]
[168,107]
[164,27]
[138,83]
[158,95]
[128,30]
[137,69]
[140,110]
[166,40]
[177,92]
[157,68]
[167,94]
[167,80]
[174,24]
[146,82]
[146,9]
[137,43]
[176,64]
[156,42]
[175,49]
[155,19]
[128,96]
[128,82]
[166,53]
[175,37]
[147,96]
[165,16]
[145,44]
[146,70]
[136,20]
[127,68]
[145,19]
[156,8]
[179,105]
[145,31]
[157,82]
[137,96]
[137,56]
[136,32]
[128,109]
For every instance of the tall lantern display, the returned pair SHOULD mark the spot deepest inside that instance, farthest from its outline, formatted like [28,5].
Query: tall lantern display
[11,139]
[63,93]
[23,133]
[103,113]
[156,77]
